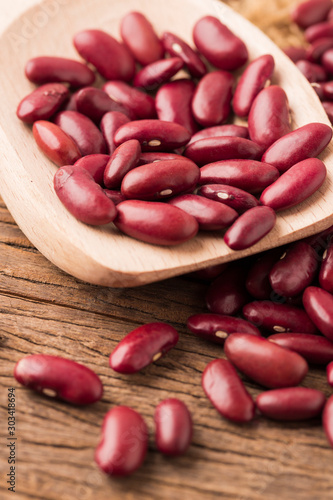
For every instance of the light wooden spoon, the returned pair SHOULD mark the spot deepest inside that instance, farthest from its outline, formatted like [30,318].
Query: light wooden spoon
[103,255]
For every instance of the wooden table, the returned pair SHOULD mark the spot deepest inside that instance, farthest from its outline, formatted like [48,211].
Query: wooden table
[43,310]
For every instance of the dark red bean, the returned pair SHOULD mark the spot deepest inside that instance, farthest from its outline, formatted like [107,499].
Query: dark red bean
[111,58]
[305,142]
[295,53]
[315,51]
[292,403]
[70,105]
[110,123]
[314,348]
[255,77]
[55,143]
[94,103]
[46,69]
[95,164]
[226,391]
[319,30]
[140,104]
[217,327]
[157,73]
[153,135]
[83,197]
[124,442]
[318,304]
[330,15]
[42,103]
[123,159]
[140,38]
[218,44]
[329,372]
[310,12]
[327,61]
[328,420]
[312,72]
[222,148]
[155,157]
[155,222]
[114,195]
[220,131]
[326,270]
[175,46]
[212,99]
[257,281]
[328,107]
[235,198]
[265,362]
[278,318]
[59,377]
[173,427]
[209,273]
[324,90]
[143,346]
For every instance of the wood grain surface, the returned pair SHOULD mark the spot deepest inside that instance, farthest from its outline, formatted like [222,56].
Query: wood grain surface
[44,310]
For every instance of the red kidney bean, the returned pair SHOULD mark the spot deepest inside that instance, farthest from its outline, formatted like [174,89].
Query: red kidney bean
[140,104]
[312,72]
[257,281]
[330,14]
[94,103]
[123,159]
[314,348]
[140,38]
[59,377]
[153,135]
[124,442]
[291,403]
[327,61]
[295,185]
[305,142]
[83,132]
[235,198]
[310,12]
[217,327]
[222,148]
[324,90]
[318,304]
[328,107]
[48,69]
[83,197]
[110,123]
[173,103]
[295,53]
[156,181]
[250,175]
[114,195]
[212,98]
[42,103]
[218,44]
[255,77]
[329,372]
[70,105]
[143,346]
[209,273]
[95,164]
[278,318]
[250,228]
[157,73]
[319,30]
[226,391]
[220,131]
[269,116]
[315,51]
[328,420]
[211,215]
[265,362]
[175,46]
[173,427]
[155,222]
[326,270]
[155,157]
[111,58]
[227,293]
[55,143]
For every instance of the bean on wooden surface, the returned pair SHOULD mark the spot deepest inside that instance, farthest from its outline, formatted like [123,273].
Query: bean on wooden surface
[157,73]
[173,427]
[213,149]
[291,403]
[42,103]
[46,69]
[138,102]
[310,12]
[314,348]
[94,103]
[326,270]
[328,420]
[55,143]
[122,160]
[175,46]
[234,197]
[318,304]
[217,327]
[312,72]
[95,164]
[257,281]
[110,123]
[220,131]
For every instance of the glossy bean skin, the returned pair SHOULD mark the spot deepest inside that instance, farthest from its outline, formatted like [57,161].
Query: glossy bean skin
[315,51]
[269,116]
[226,391]
[211,102]
[328,107]
[295,53]
[153,135]
[218,44]
[291,403]
[47,69]
[60,377]
[312,72]
[155,157]
[124,442]
[83,197]
[213,149]
[114,195]
[310,12]
[318,30]
[236,198]
[155,222]
[143,346]
[42,103]
[110,123]
[83,131]
[257,281]
[157,73]
[318,304]
[140,38]
[217,327]
[250,228]
[250,175]
[173,427]
[326,270]
[175,46]
[122,160]
[278,318]
[211,215]
[327,61]
[111,58]
[316,349]
[94,103]
[220,131]
[55,143]
[255,77]
[329,373]
[95,164]
[295,270]
[264,362]
[305,142]
[328,420]
[141,105]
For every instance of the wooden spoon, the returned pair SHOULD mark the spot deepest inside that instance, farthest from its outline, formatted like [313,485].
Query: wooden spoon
[102,255]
